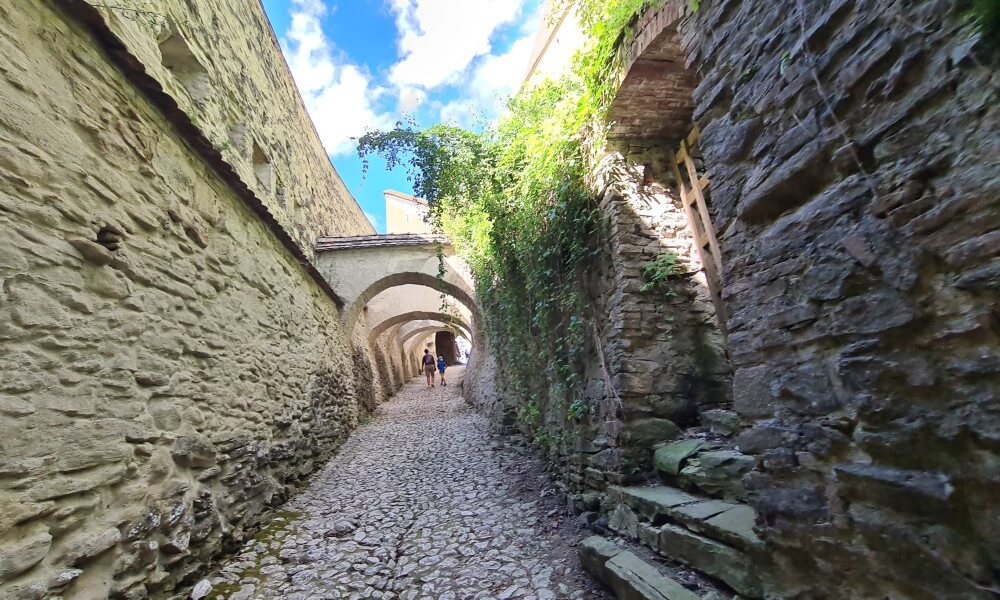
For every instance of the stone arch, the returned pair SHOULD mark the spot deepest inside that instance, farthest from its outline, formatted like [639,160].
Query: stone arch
[387,324]
[455,290]
[655,100]
[426,329]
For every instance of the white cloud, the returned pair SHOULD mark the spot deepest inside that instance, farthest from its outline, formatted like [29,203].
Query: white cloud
[340,96]
[439,39]
[410,99]
[372,219]
[494,79]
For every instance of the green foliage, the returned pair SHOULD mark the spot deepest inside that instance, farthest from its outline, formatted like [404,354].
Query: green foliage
[985,17]
[578,409]
[513,199]
[658,271]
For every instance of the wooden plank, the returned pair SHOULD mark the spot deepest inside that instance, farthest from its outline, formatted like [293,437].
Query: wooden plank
[712,274]
[692,139]
[706,220]
[704,182]
[679,158]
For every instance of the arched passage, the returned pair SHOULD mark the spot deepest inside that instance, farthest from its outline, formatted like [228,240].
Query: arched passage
[455,290]
[361,267]
[405,337]
[385,325]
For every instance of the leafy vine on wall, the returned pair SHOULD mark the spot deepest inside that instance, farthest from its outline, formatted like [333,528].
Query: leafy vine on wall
[514,201]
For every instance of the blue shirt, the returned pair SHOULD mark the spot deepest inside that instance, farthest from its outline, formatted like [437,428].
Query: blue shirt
[441,365]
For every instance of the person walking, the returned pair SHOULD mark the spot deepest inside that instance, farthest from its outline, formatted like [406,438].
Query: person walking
[428,362]
[441,367]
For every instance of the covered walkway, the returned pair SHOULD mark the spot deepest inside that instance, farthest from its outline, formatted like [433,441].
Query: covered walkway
[422,502]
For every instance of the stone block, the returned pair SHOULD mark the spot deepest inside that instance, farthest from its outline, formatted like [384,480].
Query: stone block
[723,422]
[646,433]
[670,458]
[628,576]
[752,392]
[718,472]
[23,552]
[710,557]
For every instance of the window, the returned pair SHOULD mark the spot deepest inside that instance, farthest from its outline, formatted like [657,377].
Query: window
[178,58]
[262,169]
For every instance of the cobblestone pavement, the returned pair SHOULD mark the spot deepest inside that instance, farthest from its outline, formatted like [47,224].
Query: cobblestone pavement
[422,502]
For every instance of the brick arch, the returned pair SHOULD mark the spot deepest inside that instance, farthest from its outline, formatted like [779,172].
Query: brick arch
[655,99]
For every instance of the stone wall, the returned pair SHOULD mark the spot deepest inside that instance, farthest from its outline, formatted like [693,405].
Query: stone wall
[656,359]
[168,368]
[222,65]
[851,152]
[861,268]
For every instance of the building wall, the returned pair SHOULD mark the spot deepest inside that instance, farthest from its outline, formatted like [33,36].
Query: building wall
[168,369]
[860,265]
[222,64]
[557,40]
[405,216]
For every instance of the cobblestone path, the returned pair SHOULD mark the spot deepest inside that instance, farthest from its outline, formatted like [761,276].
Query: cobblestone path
[422,502]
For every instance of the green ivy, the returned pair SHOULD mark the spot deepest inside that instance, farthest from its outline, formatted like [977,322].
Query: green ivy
[659,271]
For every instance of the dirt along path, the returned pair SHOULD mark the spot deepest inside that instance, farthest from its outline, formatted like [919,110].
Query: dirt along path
[422,502]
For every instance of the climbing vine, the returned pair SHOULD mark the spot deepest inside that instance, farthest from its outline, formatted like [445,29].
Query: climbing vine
[514,201]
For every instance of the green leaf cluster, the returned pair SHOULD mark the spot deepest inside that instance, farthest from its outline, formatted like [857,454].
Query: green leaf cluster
[659,271]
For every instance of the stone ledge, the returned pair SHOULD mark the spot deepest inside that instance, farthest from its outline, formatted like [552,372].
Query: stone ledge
[627,575]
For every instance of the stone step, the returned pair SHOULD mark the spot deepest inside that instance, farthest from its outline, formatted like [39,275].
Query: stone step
[710,466]
[712,536]
[627,575]
[728,522]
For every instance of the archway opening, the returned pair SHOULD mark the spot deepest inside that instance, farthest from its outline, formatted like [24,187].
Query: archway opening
[447,347]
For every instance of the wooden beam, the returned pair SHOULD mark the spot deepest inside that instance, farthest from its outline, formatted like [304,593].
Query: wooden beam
[706,219]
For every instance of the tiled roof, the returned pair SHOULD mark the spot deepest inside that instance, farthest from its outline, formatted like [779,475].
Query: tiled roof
[406,197]
[389,240]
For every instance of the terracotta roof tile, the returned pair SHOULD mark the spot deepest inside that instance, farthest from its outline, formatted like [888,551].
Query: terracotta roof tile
[389,240]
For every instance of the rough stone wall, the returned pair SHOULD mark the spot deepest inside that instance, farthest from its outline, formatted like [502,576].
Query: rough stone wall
[168,369]
[222,64]
[662,348]
[861,269]
[657,359]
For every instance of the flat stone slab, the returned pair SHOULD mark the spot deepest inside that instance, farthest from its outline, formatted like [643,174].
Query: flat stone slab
[727,522]
[711,557]
[738,521]
[627,575]
[670,458]
[651,501]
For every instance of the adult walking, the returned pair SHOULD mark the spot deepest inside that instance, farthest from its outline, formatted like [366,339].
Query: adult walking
[429,367]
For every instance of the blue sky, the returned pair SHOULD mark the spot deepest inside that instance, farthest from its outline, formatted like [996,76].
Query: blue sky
[364,64]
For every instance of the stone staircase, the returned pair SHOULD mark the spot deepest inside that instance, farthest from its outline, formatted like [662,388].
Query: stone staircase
[697,516]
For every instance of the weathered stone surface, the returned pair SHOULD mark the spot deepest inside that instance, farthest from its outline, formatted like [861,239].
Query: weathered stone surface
[636,579]
[724,422]
[626,574]
[164,352]
[645,433]
[718,472]
[710,557]
[422,502]
[670,458]
[25,551]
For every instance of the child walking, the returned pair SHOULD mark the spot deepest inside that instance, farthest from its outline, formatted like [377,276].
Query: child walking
[441,368]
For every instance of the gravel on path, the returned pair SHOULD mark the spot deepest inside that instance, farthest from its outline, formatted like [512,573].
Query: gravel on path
[422,502]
